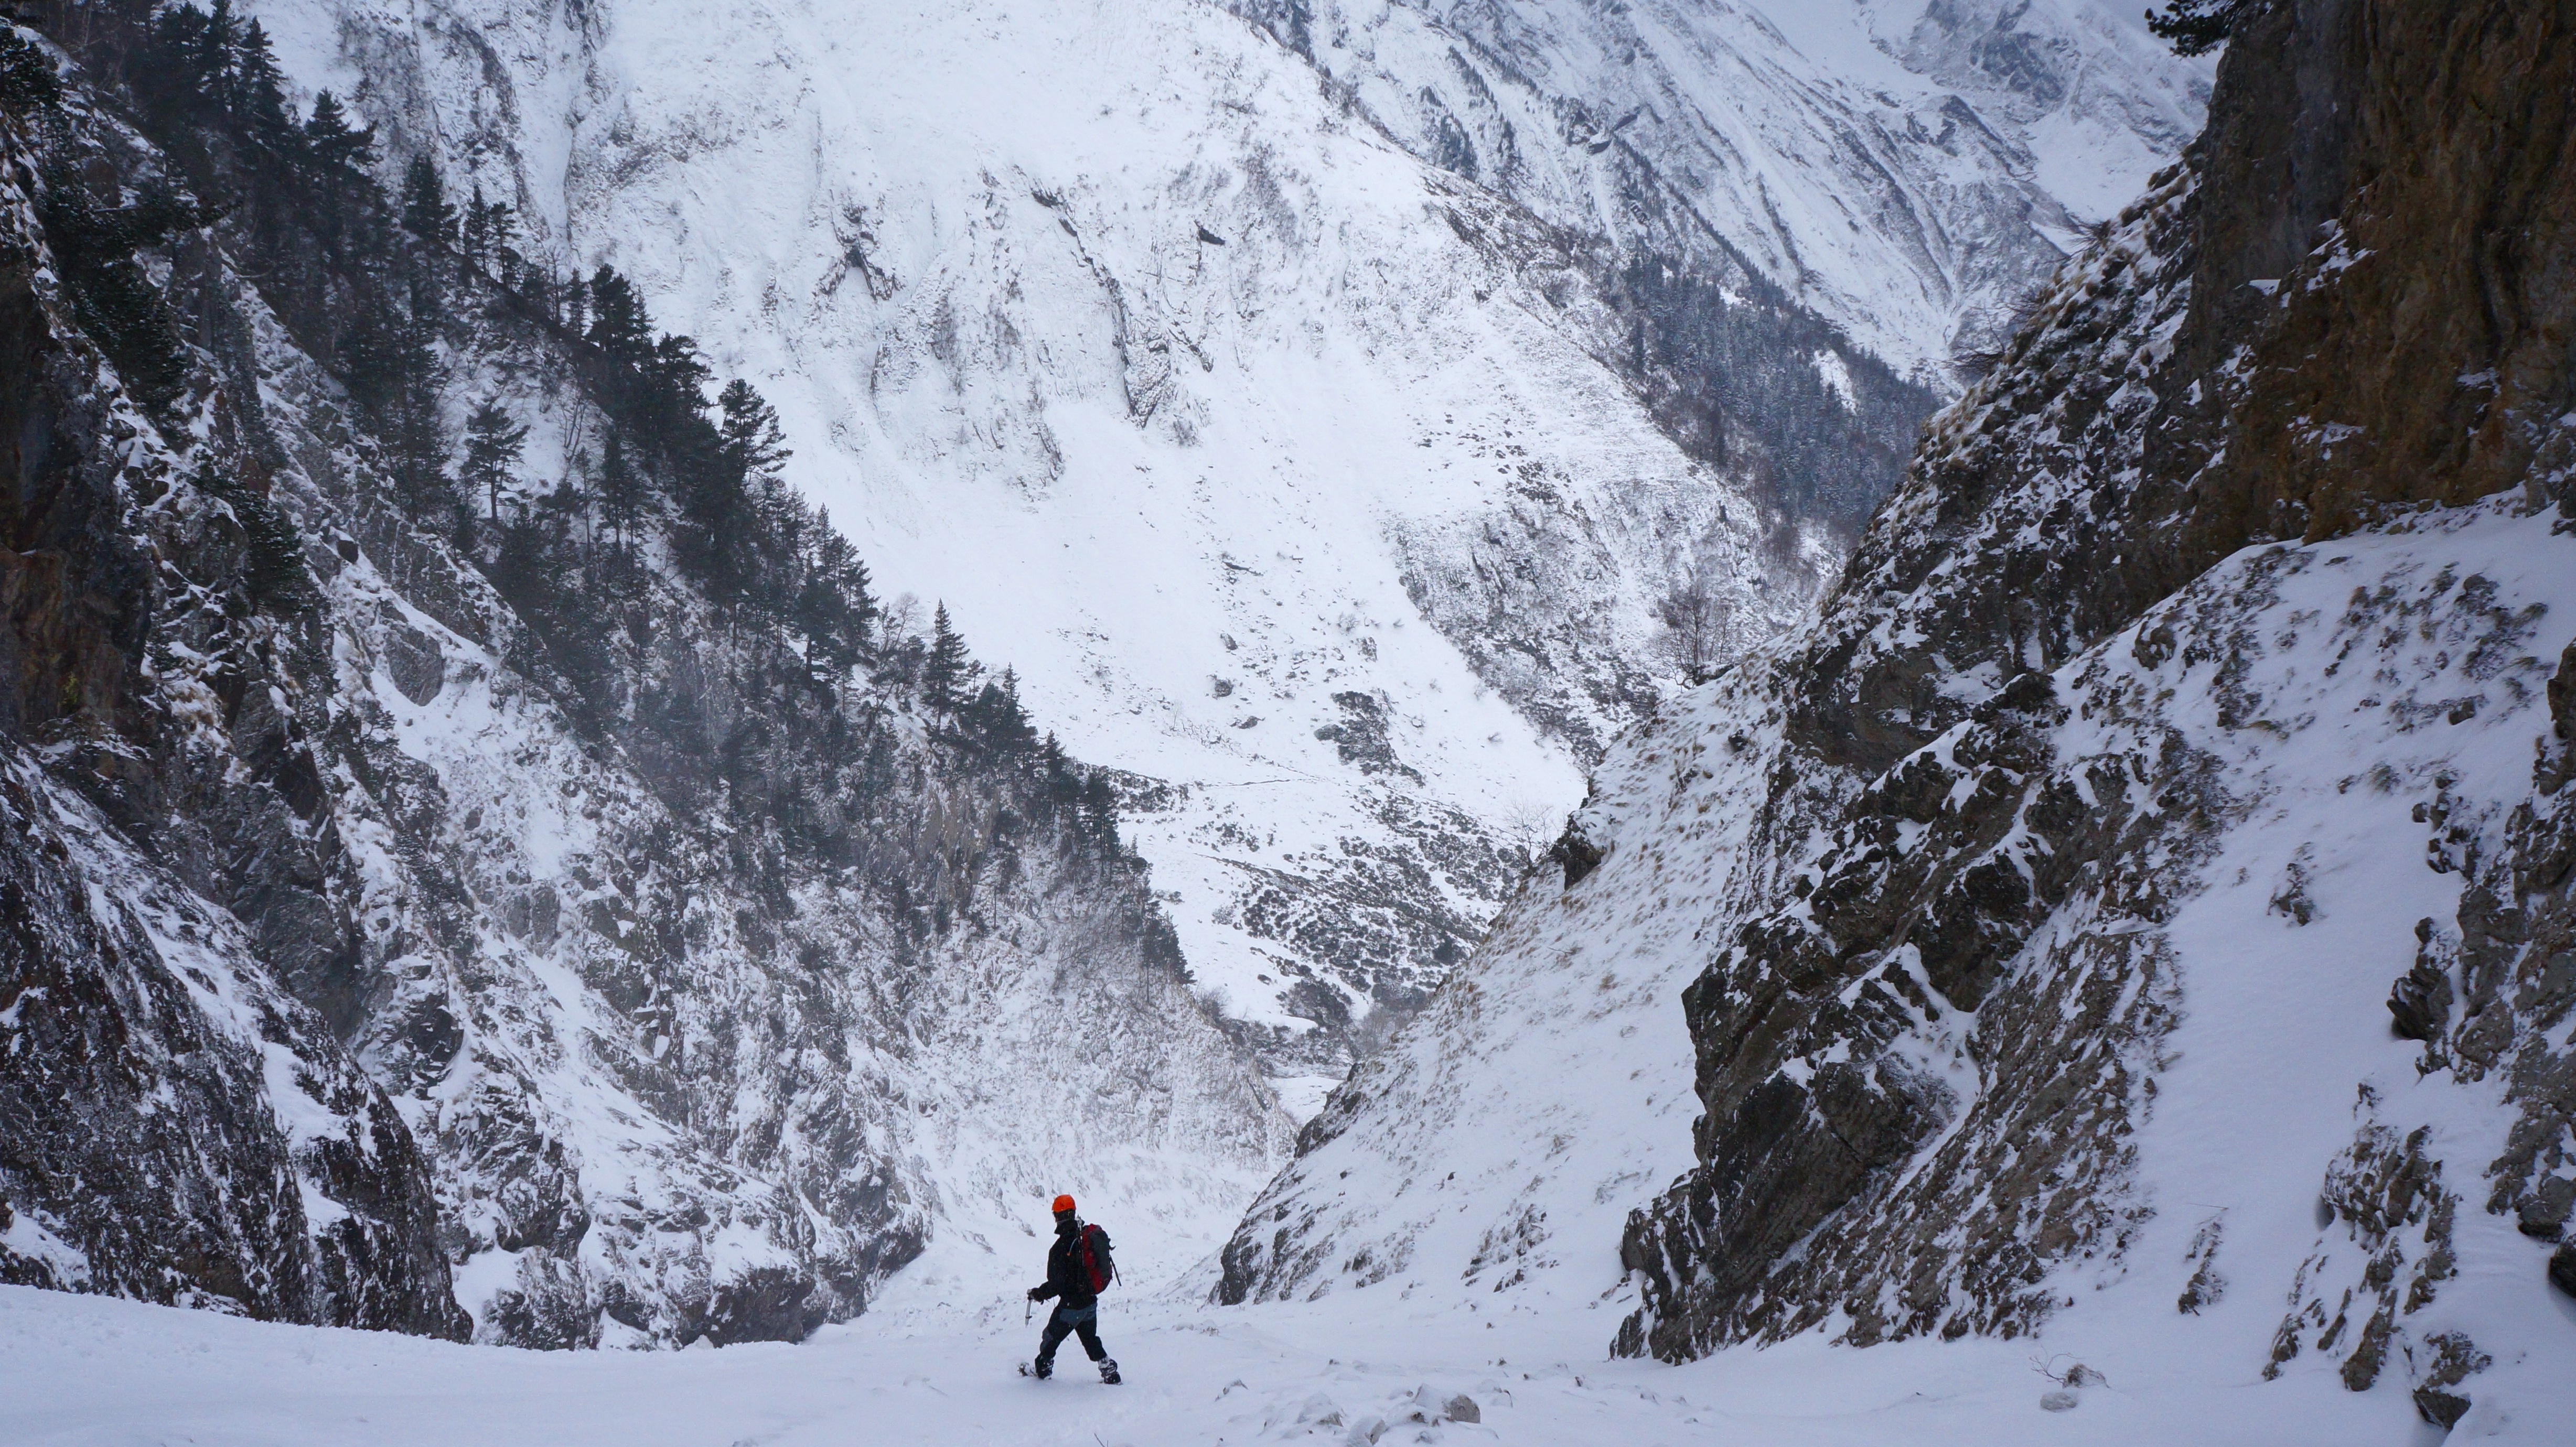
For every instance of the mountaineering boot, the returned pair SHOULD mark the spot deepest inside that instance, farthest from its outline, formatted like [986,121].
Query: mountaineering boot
[1043,1369]
[1109,1371]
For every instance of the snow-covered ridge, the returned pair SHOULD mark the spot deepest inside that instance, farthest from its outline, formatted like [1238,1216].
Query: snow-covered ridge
[1214,410]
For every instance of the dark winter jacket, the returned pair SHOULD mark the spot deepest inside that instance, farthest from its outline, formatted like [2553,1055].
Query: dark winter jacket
[1065,1279]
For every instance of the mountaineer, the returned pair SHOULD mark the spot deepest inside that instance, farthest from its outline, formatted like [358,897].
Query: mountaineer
[1078,1270]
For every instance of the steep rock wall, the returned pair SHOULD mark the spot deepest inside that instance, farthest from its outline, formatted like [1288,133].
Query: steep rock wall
[2225,370]
[2349,302]
[173,1124]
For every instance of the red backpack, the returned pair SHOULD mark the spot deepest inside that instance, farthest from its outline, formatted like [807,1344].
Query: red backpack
[1091,1253]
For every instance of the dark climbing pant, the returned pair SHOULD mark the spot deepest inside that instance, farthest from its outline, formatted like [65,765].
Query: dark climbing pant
[1066,1320]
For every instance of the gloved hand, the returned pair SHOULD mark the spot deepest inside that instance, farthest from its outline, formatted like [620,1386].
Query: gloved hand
[1037,1293]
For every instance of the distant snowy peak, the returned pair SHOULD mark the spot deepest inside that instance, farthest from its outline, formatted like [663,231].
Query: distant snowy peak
[1905,169]
[2100,103]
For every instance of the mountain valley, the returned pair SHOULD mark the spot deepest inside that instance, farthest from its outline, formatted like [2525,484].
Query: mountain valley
[1841,722]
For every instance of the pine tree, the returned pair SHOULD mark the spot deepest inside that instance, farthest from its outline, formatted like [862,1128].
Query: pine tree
[675,378]
[566,505]
[618,325]
[1099,812]
[716,543]
[28,85]
[537,292]
[278,578]
[492,445]
[332,142]
[500,227]
[833,609]
[259,93]
[425,209]
[1061,785]
[621,490]
[415,440]
[534,569]
[113,296]
[766,545]
[752,441]
[210,61]
[2196,27]
[945,670]
[394,375]
[653,390]
[426,214]
[489,228]
[1001,719]
[178,71]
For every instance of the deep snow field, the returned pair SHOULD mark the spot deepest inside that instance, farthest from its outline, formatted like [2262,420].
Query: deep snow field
[90,1370]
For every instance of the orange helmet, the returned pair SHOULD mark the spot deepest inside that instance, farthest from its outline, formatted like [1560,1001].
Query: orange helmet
[1063,1205]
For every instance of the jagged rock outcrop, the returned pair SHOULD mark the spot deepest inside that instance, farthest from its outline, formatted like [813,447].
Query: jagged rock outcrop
[172,1126]
[2224,369]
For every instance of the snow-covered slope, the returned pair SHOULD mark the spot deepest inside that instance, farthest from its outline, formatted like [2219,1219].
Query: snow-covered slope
[2105,924]
[1903,168]
[1494,1149]
[83,1372]
[1327,491]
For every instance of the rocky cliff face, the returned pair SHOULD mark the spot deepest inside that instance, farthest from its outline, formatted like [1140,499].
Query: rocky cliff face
[175,1123]
[2342,308]
[179,1129]
[2147,896]
[2093,477]
[386,933]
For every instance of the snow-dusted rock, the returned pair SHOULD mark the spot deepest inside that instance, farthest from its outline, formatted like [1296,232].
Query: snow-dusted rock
[177,1122]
